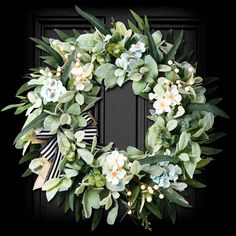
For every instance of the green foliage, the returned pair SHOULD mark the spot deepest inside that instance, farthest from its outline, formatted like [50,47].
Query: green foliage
[31,125]
[93,20]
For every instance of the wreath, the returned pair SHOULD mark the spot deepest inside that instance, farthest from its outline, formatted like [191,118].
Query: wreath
[59,136]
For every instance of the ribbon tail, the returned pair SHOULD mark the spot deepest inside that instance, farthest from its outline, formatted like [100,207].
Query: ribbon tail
[39,182]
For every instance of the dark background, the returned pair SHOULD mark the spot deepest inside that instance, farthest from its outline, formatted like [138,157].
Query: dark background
[215,46]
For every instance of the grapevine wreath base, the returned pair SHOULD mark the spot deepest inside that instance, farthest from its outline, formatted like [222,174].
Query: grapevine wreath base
[59,137]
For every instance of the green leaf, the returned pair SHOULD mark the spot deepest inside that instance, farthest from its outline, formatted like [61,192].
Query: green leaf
[206,107]
[133,27]
[170,55]
[74,109]
[135,168]
[66,97]
[111,217]
[51,183]
[78,210]
[50,194]
[169,36]
[146,23]
[106,70]
[138,86]
[214,101]
[184,157]
[171,211]
[135,193]
[31,126]
[66,69]
[210,151]
[173,196]
[49,50]
[51,123]
[171,125]
[134,152]
[97,216]
[63,143]
[21,109]
[204,162]
[183,141]
[63,36]
[108,147]
[27,173]
[156,159]
[91,99]
[138,19]
[93,20]
[86,155]
[209,80]
[67,205]
[79,98]
[152,45]
[29,156]
[215,136]
[194,183]
[23,88]
[154,209]
[12,106]
[65,119]
[71,200]
[190,165]
[188,57]
[90,200]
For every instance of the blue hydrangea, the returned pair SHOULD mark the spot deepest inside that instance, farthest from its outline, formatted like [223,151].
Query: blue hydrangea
[168,173]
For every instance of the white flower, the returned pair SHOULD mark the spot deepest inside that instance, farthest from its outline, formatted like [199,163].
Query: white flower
[173,97]
[51,91]
[138,47]
[80,83]
[116,159]
[113,167]
[161,105]
[81,77]
[115,176]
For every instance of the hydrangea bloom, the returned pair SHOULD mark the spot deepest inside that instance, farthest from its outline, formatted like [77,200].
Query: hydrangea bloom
[52,89]
[169,172]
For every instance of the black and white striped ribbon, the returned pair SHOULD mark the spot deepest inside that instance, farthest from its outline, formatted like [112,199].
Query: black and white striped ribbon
[50,149]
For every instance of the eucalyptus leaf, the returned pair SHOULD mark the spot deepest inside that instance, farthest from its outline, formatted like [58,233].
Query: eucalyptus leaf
[135,168]
[74,109]
[66,97]
[112,215]
[51,123]
[86,155]
[51,183]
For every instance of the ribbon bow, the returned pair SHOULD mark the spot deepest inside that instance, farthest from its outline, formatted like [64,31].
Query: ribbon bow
[51,153]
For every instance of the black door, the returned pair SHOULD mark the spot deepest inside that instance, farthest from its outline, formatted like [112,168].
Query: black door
[121,115]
